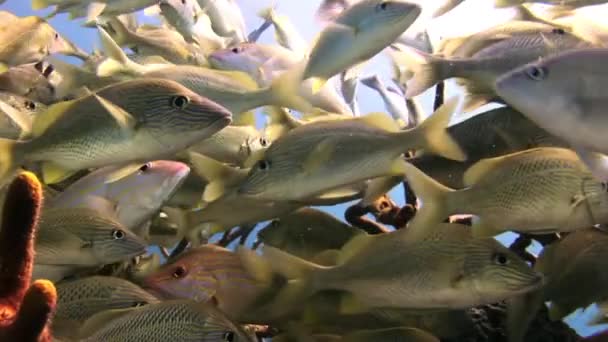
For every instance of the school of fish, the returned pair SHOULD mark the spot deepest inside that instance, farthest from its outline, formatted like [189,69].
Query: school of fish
[163,149]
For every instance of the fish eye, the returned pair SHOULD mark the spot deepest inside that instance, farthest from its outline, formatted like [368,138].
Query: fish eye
[558,31]
[382,6]
[605,186]
[183,2]
[275,223]
[264,142]
[179,101]
[30,105]
[536,73]
[144,167]
[500,259]
[263,165]
[236,49]
[228,337]
[56,35]
[118,234]
[179,272]
[384,205]
[137,304]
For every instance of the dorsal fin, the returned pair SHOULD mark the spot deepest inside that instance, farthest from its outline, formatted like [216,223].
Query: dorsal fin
[381,121]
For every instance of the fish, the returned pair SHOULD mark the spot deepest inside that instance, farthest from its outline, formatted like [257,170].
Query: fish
[600,317]
[236,91]
[223,206]
[266,63]
[226,18]
[479,73]
[183,320]
[573,262]
[154,41]
[357,34]
[30,39]
[466,272]
[133,199]
[393,102]
[570,108]
[307,232]
[22,104]
[319,157]
[398,334]
[468,46]
[80,299]
[210,274]
[29,80]
[284,32]
[70,240]
[233,145]
[535,191]
[92,10]
[489,134]
[18,112]
[183,16]
[189,193]
[564,4]
[348,87]
[119,127]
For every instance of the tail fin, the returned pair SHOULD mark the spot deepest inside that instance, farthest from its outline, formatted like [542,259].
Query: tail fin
[434,196]
[436,138]
[219,175]
[8,161]
[298,273]
[507,3]
[285,90]
[117,61]
[373,82]
[267,13]
[426,69]
[40,4]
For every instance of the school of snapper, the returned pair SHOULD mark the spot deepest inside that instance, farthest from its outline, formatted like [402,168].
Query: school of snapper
[154,140]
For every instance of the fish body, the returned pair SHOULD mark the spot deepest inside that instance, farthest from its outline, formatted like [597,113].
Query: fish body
[226,18]
[574,262]
[182,15]
[571,108]
[490,134]
[182,320]
[80,299]
[207,274]
[316,158]
[447,269]
[533,191]
[64,139]
[69,240]
[134,199]
[357,34]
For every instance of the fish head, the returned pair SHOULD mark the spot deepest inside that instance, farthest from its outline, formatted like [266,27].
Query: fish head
[116,243]
[268,178]
[254,146]
[166,108]
[381,18]
[141,194]
[188,278]
[245,57]
[28,80]
[274,233]
[494,272]
[543,92]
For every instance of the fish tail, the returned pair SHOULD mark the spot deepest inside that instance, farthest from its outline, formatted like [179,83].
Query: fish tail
[117,61]
[40,4]
[8,159]
[427,70]
[521,310]
[285,91]
[436,138]
[267,13]
[373,82]
[298,273]
[434,196]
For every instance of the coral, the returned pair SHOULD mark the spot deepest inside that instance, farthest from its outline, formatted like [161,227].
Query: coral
[25,310]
